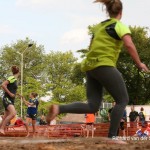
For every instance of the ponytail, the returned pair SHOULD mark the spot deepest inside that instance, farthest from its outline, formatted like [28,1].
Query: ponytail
[113,7]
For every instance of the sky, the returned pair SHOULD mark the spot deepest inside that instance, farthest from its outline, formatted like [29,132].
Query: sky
[61,25]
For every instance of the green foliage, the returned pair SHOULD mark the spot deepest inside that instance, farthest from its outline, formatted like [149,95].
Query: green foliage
[108,98]
[1,106]
[104,115]
[77,76]
[70,94]
[62,75]
[32,60]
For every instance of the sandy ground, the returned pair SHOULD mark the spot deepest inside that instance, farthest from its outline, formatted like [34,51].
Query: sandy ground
[96,143]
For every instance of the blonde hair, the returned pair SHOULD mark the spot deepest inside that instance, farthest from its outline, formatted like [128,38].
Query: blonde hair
[113,7]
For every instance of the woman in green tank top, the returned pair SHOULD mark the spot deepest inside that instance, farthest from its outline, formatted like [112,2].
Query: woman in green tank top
[100,68]
[10,89]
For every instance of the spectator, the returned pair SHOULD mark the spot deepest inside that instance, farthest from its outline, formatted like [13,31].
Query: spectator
[133,116]
[123,120]
[42,120]
[142,116]
[32,109]
[90,119]
[110,110]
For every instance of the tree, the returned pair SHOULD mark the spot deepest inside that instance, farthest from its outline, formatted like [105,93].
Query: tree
[60,67]
[77,76]
[32,68]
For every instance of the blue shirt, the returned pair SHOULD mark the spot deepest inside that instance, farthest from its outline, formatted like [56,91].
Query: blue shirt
[32,109]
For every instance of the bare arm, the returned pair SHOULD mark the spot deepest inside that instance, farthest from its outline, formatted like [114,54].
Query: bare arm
[137,119]
[133,52]
[108,116]
[26,102]
[4,86]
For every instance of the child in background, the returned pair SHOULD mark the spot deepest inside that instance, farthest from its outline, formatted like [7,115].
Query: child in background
[142,132]
[32,109]
[90,119]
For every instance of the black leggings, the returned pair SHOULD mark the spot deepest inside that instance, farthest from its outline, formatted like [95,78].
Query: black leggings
[109,78]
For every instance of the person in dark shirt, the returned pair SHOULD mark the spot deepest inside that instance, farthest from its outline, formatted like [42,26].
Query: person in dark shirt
[142,117]
[10,89]
[32,109]
[110,110]
[42,120]
[133,117]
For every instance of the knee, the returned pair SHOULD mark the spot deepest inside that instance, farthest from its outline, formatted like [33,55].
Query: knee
[13,114]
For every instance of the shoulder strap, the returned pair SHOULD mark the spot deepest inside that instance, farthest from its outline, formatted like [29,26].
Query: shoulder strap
[12,79]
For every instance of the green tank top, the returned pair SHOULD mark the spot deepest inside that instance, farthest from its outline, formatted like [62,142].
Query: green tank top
[106,44]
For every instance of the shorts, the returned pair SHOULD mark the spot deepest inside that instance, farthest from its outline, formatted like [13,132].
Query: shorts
[91,123]
[7,101]
[140,134]
[32,116]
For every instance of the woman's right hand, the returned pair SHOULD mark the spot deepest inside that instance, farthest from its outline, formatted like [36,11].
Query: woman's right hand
[12,95]
[143,67]
[20,96]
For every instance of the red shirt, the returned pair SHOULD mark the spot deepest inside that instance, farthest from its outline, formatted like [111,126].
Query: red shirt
[19,122]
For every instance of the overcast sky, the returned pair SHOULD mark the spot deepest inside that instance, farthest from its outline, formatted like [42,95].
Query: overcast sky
[61,24]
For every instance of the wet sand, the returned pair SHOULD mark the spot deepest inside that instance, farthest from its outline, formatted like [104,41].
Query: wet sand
[97,143]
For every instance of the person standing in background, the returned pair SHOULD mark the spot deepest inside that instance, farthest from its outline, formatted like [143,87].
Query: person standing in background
[133,117]
[32,109]
[110,110]
[90,119]
[142,116]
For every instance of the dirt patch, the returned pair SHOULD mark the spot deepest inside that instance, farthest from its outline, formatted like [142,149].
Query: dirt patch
[96,143]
